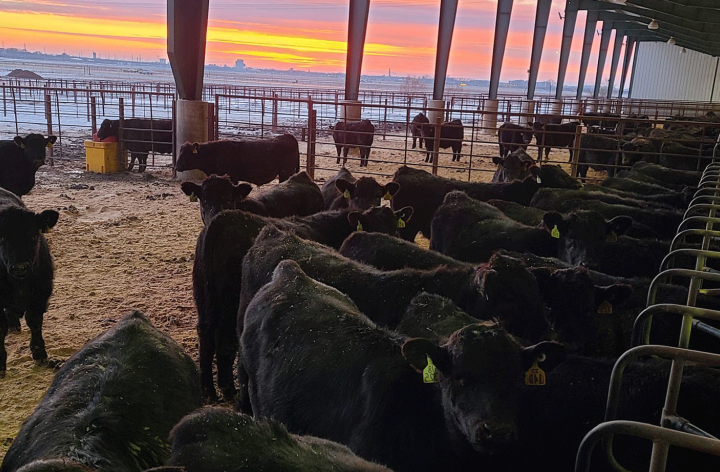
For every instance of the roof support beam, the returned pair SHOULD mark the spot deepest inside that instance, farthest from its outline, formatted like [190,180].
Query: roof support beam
[357,27]
[502,26]
[186,36]
[590,25]
[541,21]
[448,11]
[604,42]
[571,11]
[619,35]
[626,63]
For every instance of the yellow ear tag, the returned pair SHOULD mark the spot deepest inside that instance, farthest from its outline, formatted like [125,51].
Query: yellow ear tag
[535,375]
[22,146]
[555,233]
[430,373]
[193,197]
[611,238]
[401,223]
[359,227]
[45,230]
[387,196]
[346,194]
[605,308]
[194,150]
[48,145]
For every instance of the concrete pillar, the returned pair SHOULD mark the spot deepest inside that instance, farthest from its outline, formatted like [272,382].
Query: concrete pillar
[592,105]
[556,108]
[192,126]
[590,25]
[617,47]
[541,20]
[357,27]
[489,119]
[626,63]
[607,106]
[577,107]
[502,25]
[350,110]
[435,110]
[571,10]
[529,108]
[448,11]
[604,42]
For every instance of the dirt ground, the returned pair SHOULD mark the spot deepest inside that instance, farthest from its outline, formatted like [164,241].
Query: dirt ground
[126,241]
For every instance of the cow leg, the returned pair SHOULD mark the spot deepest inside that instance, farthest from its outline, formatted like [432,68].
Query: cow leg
[34,320]
[547,154]
[582,171]
[142,162]
[346,150]
[243,403]
[414,140]
[226,351]
[339,148]
[3,333]
[13,320]
[206,340]
[132,161]
[540,153]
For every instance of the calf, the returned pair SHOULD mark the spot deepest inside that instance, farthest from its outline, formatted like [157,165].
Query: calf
[416,128]
[512,137]
[297,196]
[220,439]
[343,190]
[26,271]
[452,134]
[433,317]
[550,135]
[471,230]
[515,166]
[256,161]
[363,386]
[140,136]
[217,273]
[112,404]
[599,152]
[350,134]
[19,161]
[218,193]
[425,192]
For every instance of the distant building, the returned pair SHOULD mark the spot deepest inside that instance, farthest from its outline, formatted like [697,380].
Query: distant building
[239,64]
[162,60]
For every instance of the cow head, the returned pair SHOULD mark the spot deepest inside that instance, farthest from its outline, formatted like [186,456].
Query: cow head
[553,176]
[637,150]
[108,128]
[216,194]
[189,157]
[20,239]
[380,219]
[33,147]
[513,167]
[481,370]
[366,192]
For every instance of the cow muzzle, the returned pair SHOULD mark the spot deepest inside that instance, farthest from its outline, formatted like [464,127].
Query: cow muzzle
[20,271]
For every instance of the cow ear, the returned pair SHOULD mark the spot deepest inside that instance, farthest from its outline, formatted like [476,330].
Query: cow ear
[554,223]
[498,160]
[534,171]
[417,351]
[618,226]
[19,141]
[390,190]
[345,188]
[404,214]
[46,220]
[354,220]
[51,139]
[191,188]
[242,190]
[547,354]
[611,296]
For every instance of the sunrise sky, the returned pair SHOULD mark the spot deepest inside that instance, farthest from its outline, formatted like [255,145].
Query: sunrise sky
[302,34]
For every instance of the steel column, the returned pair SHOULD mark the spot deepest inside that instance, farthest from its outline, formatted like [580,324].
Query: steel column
[186,36]
[634,67]
[357,27]
[448,11]
[626,63]
[604,42]
[571,11]
[502,26]
[590,25]
[619,35]
[541,21]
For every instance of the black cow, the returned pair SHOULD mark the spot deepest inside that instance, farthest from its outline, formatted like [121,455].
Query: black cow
[350,134]
[363,386]
[452,134]
[257,161]
[554,176]
[112,404]
[297,196]
[668,175]
[599,152]
[425,192]
[217,439]
[140,136]
[668,197]
[643,189]
[416,128]
[470,230]
[602,120]
[515,166]
[512,137]
[550,135]
[19,161]
[218,193]
[343,190]
[217,272]
[26,272]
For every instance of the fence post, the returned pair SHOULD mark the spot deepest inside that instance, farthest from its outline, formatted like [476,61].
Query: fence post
[262,117]
[132,99]
[310,162]
[48,117]
[87,100]
[275,113]
[121,123]
[93,115]
[217,117]
[436,144]
[576,152]
[211,122]
[385,121]
[4,102]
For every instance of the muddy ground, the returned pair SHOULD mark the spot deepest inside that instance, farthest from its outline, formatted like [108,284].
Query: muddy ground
[126,241]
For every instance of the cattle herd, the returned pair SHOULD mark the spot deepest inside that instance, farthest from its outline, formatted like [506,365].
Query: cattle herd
[345,346]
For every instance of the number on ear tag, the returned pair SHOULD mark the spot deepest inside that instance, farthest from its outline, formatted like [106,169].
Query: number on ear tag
[346,194]
[193,197]
[430,373]
[535,375]
[555,233]
[401,223]
[387,196]
[611,238]
[605,308]
[359,227]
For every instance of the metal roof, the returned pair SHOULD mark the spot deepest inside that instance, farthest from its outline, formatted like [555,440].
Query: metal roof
[695,24]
